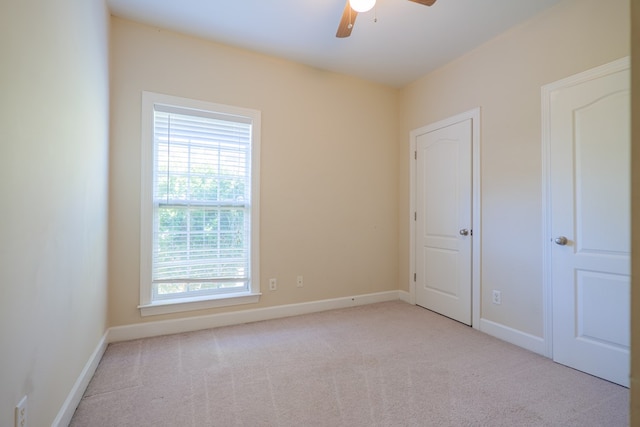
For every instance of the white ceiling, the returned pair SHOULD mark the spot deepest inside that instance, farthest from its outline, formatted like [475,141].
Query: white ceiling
[407,41]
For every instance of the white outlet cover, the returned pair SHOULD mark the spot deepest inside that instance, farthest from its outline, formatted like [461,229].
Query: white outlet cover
[496,297]
[21,413]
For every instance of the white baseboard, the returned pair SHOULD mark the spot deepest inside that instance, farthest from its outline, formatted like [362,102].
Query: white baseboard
[514,336]
[77,391]
[175,326]
[405,296]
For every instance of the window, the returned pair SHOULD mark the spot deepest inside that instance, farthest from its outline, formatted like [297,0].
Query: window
[199,213]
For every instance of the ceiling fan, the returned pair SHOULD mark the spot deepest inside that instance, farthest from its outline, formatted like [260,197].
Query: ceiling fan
[351,9]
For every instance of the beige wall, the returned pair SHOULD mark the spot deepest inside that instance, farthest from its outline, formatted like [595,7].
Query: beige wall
[53,181]
[328,170]
[635,210]
[504,77]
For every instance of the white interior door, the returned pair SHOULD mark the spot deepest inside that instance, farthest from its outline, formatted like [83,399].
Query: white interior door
[443,220]
[589,148]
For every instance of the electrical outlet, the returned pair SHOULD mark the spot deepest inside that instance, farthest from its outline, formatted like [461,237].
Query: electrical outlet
[21,413]
[299,282]
[496,297]
[273,284]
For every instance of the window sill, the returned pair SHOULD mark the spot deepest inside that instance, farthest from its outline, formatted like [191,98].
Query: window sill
[200,303]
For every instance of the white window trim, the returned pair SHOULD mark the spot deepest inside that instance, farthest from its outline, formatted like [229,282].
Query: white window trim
[147,305]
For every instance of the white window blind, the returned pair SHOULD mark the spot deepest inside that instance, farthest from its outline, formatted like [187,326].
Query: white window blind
[201,203]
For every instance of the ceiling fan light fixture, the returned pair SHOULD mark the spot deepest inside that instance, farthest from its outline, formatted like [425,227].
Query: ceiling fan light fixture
[362,5]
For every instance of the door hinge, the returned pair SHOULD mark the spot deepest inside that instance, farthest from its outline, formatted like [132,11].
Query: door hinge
[414,277]
[415,155]
[415,216]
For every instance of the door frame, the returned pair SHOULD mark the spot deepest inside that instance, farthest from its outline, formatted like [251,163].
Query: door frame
[547,90]
[474,115]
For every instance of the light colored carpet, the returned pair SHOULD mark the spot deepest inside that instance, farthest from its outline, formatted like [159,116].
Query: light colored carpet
[388,364]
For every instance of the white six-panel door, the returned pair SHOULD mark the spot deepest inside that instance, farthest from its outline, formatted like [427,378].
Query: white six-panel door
[443,220]
[589,186]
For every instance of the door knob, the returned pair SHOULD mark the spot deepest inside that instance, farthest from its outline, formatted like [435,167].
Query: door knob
[464,232]
[560,240]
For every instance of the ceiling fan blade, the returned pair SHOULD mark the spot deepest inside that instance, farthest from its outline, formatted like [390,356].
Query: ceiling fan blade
[346,22]
[424,2]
